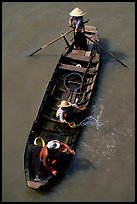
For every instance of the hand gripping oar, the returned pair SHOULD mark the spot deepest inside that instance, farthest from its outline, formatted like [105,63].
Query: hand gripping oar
[56,39]
[108,52]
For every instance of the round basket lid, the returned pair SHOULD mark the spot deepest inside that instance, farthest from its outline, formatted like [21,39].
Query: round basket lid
[73,81]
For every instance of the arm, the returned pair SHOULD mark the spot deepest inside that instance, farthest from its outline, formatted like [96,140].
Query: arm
[53,171]
[44,156]
[66,146]
[70,21]
[76,106]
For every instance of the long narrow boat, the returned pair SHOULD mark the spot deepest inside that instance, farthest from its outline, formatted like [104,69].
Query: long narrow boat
[73,80]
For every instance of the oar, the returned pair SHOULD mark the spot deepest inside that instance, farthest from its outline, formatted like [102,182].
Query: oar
[108,52]
[52,42]
[56,39]
[68,45]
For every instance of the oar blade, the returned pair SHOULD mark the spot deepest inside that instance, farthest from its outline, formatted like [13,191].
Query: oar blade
[35,52]
[108,52]
[55,39]
[122,63]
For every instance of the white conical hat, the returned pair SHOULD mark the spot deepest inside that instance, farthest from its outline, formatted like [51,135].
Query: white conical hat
[77,12]
[53,144]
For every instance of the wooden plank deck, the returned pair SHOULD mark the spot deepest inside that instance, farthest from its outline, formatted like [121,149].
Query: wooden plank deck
[78,57]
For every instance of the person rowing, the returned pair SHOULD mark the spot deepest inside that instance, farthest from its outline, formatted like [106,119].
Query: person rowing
[77,23]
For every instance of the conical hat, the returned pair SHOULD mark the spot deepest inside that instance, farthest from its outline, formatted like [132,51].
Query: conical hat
[53,144]
[64,104]
[77,12]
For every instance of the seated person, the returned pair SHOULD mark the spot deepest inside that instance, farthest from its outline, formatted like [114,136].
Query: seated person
[68,112]
[48,154]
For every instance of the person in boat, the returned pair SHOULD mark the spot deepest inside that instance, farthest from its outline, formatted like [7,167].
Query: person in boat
[49,154]
[68,113]
[76,22]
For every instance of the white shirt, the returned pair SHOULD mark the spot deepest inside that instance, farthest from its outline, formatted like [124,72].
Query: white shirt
[59,114]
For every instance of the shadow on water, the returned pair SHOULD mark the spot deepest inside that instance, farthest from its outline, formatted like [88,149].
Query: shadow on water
[80,163]
[107,57]
[104,60]
[76,164]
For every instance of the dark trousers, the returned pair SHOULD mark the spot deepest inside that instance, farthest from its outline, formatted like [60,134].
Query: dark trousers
[80,40]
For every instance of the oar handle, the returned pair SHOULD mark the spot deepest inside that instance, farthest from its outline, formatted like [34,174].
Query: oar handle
[57,38]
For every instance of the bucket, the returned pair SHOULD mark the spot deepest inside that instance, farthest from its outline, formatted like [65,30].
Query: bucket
[39,142]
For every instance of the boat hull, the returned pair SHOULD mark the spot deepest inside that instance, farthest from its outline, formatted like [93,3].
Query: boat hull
[73,80]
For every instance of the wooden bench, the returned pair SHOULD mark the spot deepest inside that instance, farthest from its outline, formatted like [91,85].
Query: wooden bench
[91,29]
[77,69]
[78,57]
[71,68]
[82,52]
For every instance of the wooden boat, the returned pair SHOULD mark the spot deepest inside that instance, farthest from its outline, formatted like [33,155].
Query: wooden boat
[73,79]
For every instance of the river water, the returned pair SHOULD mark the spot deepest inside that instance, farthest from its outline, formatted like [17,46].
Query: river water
[104,166]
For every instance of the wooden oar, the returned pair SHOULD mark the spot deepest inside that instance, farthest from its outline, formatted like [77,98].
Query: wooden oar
[56,39]
[108,52]
[68,45]
[52,42]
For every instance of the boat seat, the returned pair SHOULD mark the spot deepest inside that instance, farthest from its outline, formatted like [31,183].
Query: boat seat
[88,53]
[76,69]
[78,57]
[72,68]
[78,52]
[90,29]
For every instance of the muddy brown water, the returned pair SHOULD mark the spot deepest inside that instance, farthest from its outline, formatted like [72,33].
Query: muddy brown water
[104,167]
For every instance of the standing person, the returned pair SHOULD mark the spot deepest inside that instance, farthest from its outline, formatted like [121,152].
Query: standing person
[68,112]
[48,154]
[76,22]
